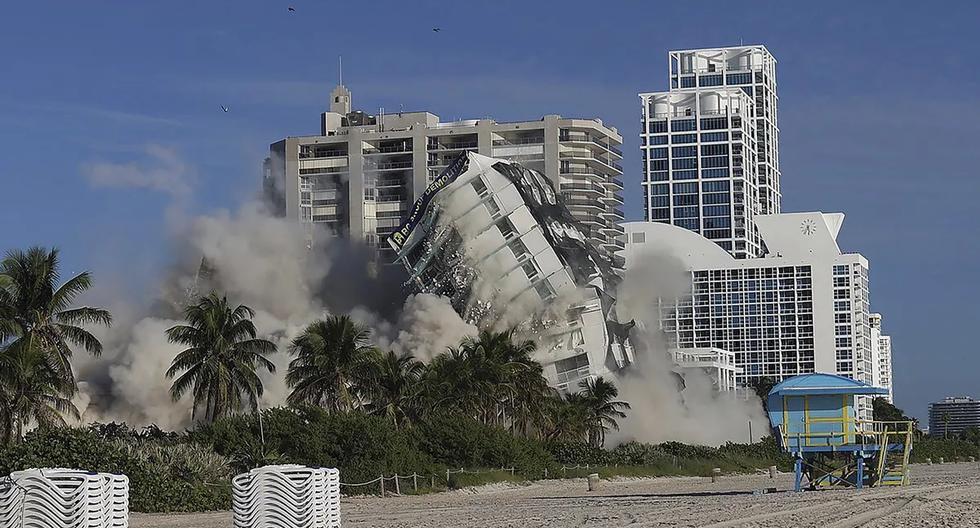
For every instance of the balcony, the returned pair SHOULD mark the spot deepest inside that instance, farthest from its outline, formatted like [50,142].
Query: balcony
[582,155]
[457,145]
[518,142]
[321,153]
[588,138]
[391,165]
[388,149]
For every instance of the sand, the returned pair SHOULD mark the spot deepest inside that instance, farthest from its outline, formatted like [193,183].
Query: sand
[946,495]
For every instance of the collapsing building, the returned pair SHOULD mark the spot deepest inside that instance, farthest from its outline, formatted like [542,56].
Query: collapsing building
[495,239]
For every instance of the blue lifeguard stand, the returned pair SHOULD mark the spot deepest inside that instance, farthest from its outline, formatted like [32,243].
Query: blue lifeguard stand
[815,421]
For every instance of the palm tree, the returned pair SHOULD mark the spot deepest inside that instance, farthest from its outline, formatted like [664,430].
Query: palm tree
[39,325]
[33,392]
[566,418]
[36,313]
[392,389]
[604,409]
[219,366]
[333,362]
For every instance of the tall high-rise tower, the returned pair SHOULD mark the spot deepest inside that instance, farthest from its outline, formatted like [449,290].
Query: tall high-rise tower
[710,156]
[753,70]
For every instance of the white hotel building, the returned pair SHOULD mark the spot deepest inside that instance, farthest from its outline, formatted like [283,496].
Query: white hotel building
[802,308]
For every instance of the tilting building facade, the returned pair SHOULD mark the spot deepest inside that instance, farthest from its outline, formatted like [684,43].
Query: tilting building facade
[495,238]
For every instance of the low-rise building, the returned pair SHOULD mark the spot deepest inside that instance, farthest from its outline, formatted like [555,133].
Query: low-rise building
[953,415]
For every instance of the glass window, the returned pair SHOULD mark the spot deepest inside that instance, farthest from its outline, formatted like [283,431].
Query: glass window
[683,125]
[684,152]
[714,150]
[714,123]
[714,173]
[714,136]
[684,138]
[710,80]
[656,127]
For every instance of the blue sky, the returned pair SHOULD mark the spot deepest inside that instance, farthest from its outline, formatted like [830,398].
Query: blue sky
[878,110]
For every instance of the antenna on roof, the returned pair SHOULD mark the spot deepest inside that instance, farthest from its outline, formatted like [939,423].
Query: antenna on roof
[340,62]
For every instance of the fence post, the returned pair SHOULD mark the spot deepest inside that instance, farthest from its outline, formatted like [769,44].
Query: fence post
[512,472]
[415,482]
[447,478]
[382,479]
[545,472]
[398,488]
[432,481]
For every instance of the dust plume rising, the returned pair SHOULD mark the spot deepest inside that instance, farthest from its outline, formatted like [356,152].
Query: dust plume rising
[670,403]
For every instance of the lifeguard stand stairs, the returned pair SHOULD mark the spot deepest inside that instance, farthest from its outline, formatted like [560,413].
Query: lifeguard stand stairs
[814,418]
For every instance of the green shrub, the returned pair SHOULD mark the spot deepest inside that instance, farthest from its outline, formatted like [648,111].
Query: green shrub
[162,477]
[363,447]
[466,443]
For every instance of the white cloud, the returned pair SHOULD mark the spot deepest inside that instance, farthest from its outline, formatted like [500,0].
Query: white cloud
[161,171]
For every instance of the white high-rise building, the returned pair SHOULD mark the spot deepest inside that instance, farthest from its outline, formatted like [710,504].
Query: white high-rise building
[803,308]
[710,146]
[751,69]
[360,176]
[881,357]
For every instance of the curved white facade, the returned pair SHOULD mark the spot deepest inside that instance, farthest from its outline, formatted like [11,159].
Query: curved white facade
[802,308]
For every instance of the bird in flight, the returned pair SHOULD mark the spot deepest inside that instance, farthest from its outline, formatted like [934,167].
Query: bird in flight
[224,108]
[291,9]
[437,29]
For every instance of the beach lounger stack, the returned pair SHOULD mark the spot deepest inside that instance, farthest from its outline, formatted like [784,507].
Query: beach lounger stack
[287,496]
[64,498]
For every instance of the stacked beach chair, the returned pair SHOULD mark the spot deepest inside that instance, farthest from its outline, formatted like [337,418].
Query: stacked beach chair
[64,498]
[287,496]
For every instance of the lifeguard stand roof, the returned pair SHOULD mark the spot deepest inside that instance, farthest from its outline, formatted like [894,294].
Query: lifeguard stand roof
[823,384]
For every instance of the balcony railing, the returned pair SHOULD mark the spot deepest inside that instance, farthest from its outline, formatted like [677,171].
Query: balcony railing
[519,141]
[590,156]
[454,146]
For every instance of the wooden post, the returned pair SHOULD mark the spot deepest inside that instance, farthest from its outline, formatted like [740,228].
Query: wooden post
[545,472]
[382,486]
[512,472]
[398,489]
[415,482]
[432,481]
[447,479]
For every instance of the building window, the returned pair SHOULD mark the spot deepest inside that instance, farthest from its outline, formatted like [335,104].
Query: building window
[479,186]
[657,127]
[710,80]
[683,125]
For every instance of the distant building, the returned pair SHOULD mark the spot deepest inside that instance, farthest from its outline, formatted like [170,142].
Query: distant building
[881,358]
[953,415]
[362,174]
